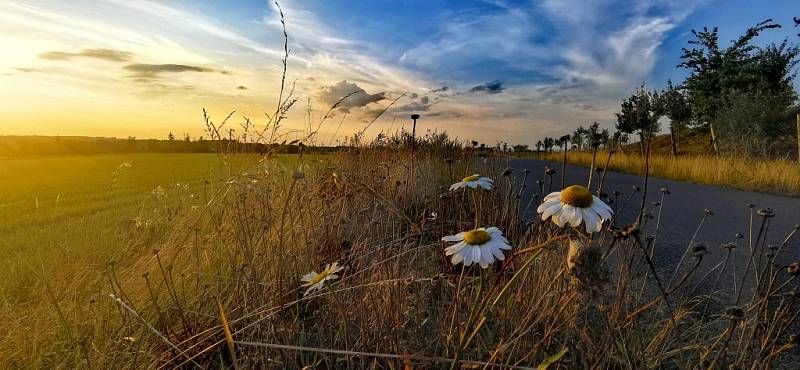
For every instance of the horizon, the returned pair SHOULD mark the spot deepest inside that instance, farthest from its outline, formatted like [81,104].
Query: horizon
[526,70]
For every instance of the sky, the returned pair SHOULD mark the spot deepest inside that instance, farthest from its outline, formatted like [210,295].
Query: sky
[492,70]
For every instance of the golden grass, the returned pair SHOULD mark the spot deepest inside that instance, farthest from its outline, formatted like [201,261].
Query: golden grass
[778,176]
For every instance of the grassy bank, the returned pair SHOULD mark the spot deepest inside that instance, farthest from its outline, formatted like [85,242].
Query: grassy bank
[772,176]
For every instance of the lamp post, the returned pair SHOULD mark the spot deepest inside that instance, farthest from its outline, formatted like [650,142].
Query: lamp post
[414,117]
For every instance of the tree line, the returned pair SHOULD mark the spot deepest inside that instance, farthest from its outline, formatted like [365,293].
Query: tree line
[742,95]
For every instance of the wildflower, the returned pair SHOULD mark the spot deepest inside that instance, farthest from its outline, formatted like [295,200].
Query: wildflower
[473,182]
[315,281]
[481,246]
[575,205]
[586,266]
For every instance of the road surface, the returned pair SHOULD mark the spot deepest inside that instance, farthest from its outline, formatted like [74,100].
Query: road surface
[683,209]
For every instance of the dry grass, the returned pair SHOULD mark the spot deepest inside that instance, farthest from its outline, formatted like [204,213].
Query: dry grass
[779,176]
[230,278]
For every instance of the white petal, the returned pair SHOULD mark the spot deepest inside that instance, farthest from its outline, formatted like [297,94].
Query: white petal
[493,231]
[601,211]
[458,257]
[546,204]
[600,203]
[576,218]
[565,216]
[455,248]
[553,195]
[498,253]
[590,220]
[552,210]
[472,184]
[454,238]
[476,254]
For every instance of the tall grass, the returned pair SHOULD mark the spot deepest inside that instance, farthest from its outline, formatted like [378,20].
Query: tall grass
[224,289]
[779,176]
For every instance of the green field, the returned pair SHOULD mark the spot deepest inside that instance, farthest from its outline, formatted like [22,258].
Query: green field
[63,219]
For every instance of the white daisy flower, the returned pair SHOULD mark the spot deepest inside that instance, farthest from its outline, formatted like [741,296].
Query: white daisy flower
[480,246]
[573,206]
[473,182]
[315,281]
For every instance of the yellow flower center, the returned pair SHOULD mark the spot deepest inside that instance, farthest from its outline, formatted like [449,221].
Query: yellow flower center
[471,178]
[477,237]
[577,196]
[320,276]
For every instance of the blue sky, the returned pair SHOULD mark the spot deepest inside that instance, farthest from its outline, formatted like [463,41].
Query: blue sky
[513,70]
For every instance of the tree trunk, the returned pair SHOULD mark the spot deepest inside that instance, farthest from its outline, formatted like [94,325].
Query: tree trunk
[713,138]
[641,141]
[673,142]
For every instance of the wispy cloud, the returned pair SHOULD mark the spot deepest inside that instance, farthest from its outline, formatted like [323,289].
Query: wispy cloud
[104,54]
[152,71]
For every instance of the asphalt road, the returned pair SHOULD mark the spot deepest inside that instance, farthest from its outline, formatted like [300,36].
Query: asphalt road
[683,209]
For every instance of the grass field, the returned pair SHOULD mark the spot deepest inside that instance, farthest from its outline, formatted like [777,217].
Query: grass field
[778,176]
[165,261]
[64,218]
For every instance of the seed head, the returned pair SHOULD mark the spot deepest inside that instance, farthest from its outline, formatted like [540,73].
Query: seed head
[729,246]
[734,313]
[665,191]
[699,250]
[793,269]
[549,171]
[708,211]
[507,172]
[739,236]
[750,205]
[766,212]
[636,188]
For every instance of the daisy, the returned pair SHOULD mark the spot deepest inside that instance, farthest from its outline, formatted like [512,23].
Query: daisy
[315,281]
[573,206]
[473,182]
[480,246]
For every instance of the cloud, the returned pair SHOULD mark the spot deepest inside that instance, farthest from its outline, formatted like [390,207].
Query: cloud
[142,72]
[104,54]
[27,70]
[424,104]
[330,95]
[494,87]
[242,87]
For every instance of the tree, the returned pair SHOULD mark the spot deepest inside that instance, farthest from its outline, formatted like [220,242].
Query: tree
[539,146]
[677,109]
[640,113]
[577,137]
[741,69]
[519,148]
[171,137]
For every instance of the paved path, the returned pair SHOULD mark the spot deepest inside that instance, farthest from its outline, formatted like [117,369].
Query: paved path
[683,209]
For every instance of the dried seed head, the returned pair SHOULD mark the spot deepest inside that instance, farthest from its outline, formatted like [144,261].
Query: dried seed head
[549,171]
[793,269]
[766,212]
[750,205]
[734,313]
[636,188]
[507,172]
[729,245]
[616,193]
[665,191]
[739,236]
[699,250]
[526,171]
[708,211]
[656,204]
